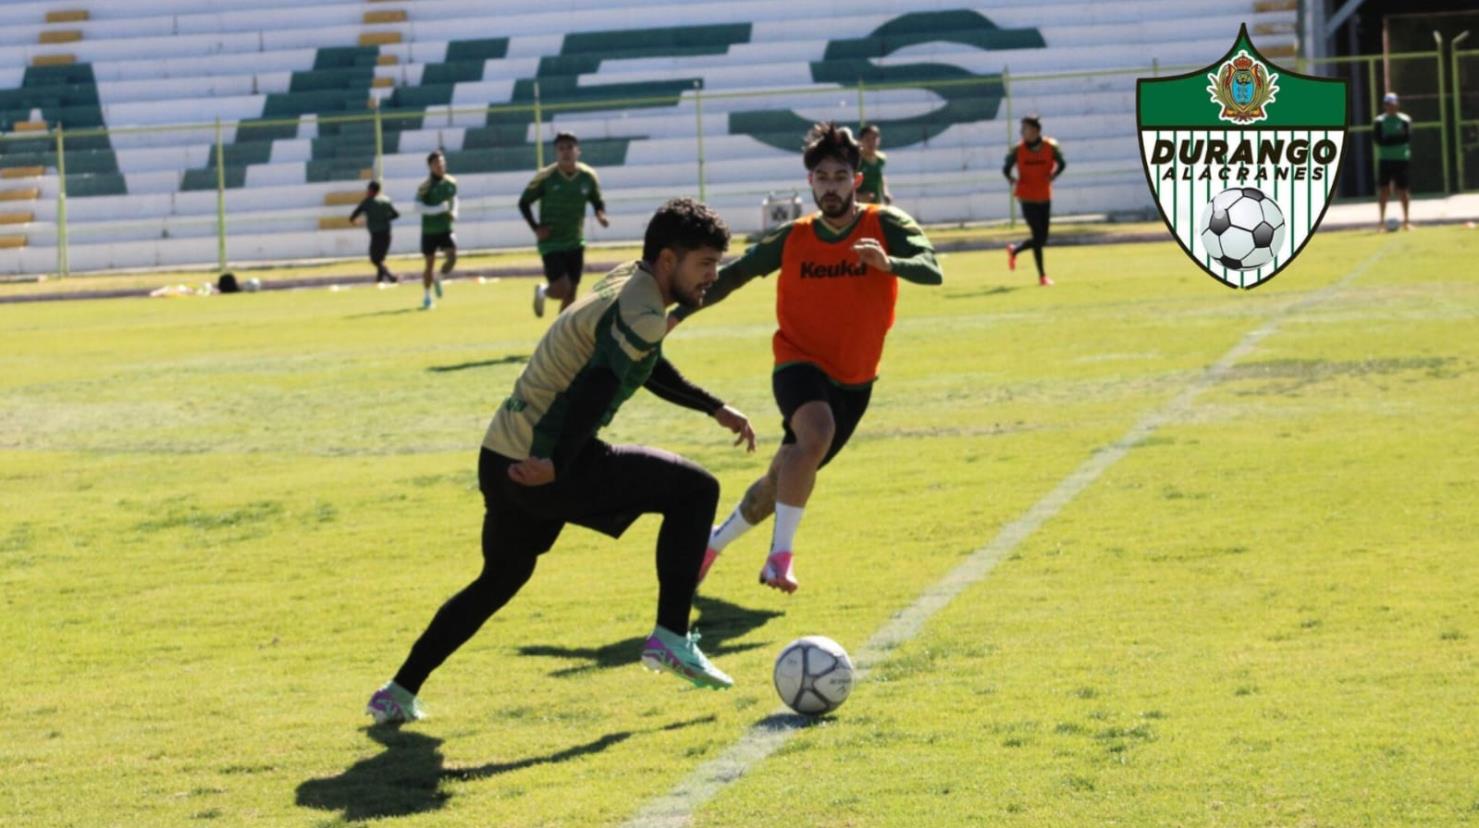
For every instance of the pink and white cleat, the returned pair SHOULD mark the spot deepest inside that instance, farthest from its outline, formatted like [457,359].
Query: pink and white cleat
[710,555]
[777,572]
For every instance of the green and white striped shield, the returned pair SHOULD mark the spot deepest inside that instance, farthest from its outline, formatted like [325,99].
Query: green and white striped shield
[1242,157]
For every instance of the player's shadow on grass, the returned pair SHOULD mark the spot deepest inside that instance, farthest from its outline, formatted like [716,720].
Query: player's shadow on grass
[372,314]
[719,621]
[511,359]
[976,294]
[405,778]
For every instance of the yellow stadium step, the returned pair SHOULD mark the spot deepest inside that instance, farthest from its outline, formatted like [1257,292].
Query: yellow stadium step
[373,18]
[387,60]
[335,223]
[22,172]
[1287,50]
[20,194]
[340,198]
[379,38]
[367,174]
[61,36]
[382,82]
[53,60]
[11,242]
[68,16]
[1275,6]
[17,218]
[29,126]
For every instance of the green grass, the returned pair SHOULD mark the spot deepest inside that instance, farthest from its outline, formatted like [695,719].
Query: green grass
[226,519]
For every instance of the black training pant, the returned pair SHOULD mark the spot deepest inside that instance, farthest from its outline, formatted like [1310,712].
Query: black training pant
[606,489]
[1037,214]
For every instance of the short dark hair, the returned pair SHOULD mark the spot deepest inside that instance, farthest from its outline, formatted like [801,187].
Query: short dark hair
[566,136]
[828,140]
[434,155]
[373,186]
[684,225]
[868,129]
[1032,121]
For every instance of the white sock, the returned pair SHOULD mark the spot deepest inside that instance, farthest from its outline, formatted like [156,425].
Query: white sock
[787,520]
[729,530]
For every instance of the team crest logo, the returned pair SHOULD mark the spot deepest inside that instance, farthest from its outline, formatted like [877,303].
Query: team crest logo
[1242,178]
[1243,88]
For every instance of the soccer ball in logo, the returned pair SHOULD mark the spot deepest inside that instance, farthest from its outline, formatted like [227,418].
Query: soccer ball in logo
[1242,228]
[813,675]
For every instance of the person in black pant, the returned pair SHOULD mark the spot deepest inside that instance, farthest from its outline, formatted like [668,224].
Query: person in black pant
[1038,162]
[379,212]
[542,467]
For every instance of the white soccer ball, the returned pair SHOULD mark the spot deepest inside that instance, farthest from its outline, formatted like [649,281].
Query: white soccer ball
[1393,224]
[813,675]
[252,285]
[1243,229]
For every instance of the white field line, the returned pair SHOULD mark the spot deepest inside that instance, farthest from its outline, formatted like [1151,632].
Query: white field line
[676,807]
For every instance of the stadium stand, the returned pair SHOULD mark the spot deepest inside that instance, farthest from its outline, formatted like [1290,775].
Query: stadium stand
[280,75]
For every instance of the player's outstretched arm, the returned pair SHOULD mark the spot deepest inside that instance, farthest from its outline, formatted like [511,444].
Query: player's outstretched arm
[760,259]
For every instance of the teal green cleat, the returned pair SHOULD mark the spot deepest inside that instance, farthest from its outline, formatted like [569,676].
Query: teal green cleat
[393,704]
[667,651]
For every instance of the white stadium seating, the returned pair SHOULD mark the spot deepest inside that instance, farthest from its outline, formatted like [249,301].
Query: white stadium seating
[159,73]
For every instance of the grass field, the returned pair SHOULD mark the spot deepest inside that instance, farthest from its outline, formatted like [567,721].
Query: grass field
[226,519]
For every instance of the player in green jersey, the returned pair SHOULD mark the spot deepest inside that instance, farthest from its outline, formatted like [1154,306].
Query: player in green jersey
[542,465]
[379,212]
[874,189]
[562,189]
[1392,135]
[437,199]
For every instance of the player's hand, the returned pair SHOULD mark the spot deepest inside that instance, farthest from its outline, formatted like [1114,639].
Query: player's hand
[542,232]
[601,217]
[534,471]
[737,423]
[871,253]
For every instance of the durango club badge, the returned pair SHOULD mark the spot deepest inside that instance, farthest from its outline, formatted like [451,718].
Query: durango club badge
[1242,157]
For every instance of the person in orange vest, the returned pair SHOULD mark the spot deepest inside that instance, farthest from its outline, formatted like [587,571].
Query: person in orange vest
[1038,162]
[840,271]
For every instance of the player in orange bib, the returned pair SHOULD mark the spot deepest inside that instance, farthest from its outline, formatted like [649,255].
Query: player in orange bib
[840,271]
[1038,161]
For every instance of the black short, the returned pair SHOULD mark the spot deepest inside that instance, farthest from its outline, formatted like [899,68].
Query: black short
[432,242]
[1392,172]
[565,264]
[605,489]
[379,246]
[797,384]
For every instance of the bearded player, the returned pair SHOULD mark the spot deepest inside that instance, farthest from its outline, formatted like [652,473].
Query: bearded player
[835,304]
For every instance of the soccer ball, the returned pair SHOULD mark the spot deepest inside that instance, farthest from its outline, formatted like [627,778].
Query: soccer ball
[1242,229]
[1393,224]
[813,675]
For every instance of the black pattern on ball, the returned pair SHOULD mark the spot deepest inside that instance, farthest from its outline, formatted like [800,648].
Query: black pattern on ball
[1263,235]
[1253,193]
[1220,222]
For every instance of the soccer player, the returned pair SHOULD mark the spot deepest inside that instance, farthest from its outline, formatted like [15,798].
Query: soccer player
[874,189]
[1039,162]
[379,212]
[1392,134]
[835,304]
[562,190]
[542,466]
[437,198]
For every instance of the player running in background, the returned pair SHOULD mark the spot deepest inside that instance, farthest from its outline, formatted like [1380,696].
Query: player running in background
[562,190]
[835,304]
[437,199]
[542,466]
[874,189]
[379,212]
[1038,162]
[1392,134]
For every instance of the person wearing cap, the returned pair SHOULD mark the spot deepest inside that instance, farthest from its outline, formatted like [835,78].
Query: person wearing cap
[1392,134]
[562,190]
